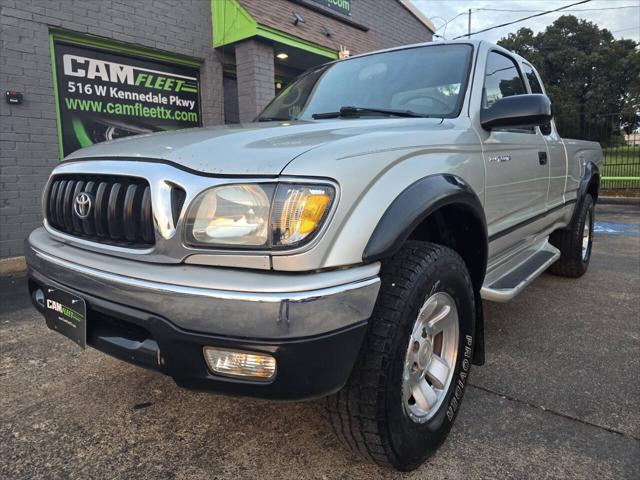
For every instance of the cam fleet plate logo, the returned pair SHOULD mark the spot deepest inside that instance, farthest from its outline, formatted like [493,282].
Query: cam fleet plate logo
[64,310]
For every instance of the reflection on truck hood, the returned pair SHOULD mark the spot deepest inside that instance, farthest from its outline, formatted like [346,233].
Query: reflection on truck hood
[247,149]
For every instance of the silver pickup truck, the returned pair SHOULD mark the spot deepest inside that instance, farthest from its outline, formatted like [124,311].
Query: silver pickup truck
[340,246]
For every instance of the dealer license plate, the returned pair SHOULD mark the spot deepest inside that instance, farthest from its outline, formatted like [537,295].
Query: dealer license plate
[67,314]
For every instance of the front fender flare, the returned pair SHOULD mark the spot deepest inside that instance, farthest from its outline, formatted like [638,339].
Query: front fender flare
[413,205]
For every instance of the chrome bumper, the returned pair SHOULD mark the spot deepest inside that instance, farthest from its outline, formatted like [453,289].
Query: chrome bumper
[228,302]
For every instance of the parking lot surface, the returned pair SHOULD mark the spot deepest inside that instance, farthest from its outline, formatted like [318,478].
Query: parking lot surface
[559,396]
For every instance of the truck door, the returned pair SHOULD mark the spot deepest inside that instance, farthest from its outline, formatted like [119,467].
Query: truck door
[555,147]
[516,160]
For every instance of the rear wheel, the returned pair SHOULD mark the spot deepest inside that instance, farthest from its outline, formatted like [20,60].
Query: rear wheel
[575,243]
[405,391]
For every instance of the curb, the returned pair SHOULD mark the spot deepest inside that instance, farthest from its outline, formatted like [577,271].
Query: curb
[619,200]
[12,265]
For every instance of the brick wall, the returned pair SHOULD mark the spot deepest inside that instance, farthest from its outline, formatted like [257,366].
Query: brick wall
[391,24]
[255,71]
[28,132]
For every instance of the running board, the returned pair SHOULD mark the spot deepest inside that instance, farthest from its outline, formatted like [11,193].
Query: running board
[514,281]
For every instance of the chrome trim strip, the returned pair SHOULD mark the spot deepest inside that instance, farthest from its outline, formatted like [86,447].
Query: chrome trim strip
[233,279]
[205,292]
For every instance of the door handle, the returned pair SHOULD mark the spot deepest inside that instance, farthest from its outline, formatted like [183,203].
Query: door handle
[542,158]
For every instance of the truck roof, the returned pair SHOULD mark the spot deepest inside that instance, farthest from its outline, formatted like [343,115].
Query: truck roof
[463,41]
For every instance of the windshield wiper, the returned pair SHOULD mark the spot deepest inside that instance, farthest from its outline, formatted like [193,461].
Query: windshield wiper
[351,111]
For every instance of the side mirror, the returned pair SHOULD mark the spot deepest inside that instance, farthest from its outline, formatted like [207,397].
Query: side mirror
[517,111]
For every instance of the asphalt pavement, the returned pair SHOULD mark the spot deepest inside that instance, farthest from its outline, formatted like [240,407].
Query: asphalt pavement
[559,396]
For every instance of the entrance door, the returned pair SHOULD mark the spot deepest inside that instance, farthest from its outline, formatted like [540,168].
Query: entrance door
[517,168]
[555,147]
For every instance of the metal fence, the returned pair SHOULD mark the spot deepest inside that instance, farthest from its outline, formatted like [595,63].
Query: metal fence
[619,135]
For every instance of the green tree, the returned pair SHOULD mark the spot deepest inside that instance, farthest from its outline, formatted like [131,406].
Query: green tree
[593,79]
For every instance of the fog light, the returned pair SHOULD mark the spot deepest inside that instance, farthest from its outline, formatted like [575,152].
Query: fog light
[38,297]
[234,363]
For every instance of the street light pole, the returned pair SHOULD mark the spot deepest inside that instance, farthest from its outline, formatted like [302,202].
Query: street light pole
[469,25]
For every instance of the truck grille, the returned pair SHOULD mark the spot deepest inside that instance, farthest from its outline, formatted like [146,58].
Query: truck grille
[116,210]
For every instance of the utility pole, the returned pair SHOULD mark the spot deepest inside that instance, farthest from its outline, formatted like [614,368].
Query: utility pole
[469,25]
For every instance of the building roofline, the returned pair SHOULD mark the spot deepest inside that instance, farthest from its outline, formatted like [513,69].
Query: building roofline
[422,18]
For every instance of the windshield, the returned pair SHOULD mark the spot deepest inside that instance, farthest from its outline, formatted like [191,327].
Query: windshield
[428,81]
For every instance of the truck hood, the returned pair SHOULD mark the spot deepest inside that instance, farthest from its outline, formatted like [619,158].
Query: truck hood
[248,149]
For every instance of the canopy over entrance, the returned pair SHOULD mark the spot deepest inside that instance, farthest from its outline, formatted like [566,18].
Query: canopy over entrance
[266,44]
[295,24]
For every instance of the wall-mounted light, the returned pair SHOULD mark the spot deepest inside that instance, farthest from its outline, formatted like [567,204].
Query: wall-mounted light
[327,31]
[13,97]
[297,18]
[282,56]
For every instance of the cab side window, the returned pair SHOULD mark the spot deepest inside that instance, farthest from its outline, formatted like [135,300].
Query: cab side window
[502,79]
[534,83]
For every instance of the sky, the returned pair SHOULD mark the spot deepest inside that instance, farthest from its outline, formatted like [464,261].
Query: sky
[610,14]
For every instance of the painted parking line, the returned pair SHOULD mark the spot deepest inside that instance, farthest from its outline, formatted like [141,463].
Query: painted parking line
[616,229]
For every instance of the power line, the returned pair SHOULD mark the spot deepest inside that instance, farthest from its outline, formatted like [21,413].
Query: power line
[445,24]
[450,20]
[625,29]
[565,9]
[522,19]
[572,10]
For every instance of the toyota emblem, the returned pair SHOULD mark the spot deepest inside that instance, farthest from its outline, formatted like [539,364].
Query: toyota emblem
[82,204]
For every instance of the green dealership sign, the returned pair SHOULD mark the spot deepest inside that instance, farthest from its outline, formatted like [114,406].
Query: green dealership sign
[104,95]
[341,6]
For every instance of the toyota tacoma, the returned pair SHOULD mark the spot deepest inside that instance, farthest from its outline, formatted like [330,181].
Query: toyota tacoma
[340,246]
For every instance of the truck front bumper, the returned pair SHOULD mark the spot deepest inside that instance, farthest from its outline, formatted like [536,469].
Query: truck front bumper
[162,316]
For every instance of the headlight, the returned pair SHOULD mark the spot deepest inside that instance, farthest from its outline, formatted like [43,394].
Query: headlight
[231,215]
[258,215]
[298,212]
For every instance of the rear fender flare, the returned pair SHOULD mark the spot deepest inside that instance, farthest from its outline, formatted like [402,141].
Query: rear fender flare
[591,174]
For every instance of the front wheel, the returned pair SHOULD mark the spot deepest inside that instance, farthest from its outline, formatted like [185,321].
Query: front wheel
[405,391]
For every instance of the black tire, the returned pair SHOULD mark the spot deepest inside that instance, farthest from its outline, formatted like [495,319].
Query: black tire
[572,263]
[368,414]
